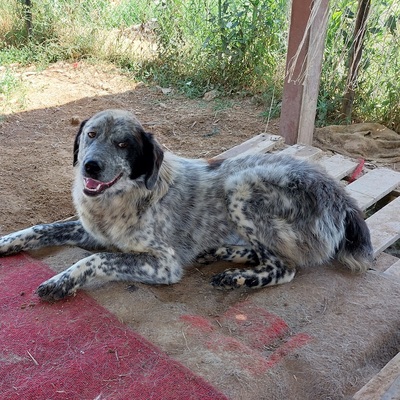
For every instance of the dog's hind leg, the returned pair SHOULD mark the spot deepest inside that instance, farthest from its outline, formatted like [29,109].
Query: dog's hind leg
[140,267]
[57,234]
[270,271]
[235,254]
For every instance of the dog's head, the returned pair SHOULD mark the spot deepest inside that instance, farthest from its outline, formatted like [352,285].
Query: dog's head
[113,146]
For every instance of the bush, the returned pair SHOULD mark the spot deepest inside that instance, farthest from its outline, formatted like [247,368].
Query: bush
[377,88]
[196,46]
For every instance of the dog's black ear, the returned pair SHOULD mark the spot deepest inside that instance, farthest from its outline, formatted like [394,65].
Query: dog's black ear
[153,155]
[76,142]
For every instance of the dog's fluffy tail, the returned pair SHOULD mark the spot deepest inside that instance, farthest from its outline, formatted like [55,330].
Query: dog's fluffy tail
[356,250]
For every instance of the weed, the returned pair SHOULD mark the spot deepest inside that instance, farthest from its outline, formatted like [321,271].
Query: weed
[234,46]
[12,93]
[8,83]
[222,104]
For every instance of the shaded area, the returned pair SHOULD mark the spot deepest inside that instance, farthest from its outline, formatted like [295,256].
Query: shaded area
[36,146]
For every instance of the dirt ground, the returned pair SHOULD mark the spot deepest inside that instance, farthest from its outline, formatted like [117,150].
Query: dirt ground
[36,144]
[35,184]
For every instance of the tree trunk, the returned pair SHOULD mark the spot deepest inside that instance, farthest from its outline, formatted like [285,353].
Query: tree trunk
[355,57]
[28,18]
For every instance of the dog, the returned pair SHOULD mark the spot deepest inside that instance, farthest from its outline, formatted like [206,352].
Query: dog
[149,213]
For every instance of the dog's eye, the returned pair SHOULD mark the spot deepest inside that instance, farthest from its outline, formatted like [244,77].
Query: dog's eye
[92,134]
[123,145]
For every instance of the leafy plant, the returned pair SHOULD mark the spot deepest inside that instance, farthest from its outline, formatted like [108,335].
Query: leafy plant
[235,46]
[377,92]
[245,42]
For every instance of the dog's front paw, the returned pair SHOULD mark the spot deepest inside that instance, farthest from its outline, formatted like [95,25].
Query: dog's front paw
[56,288]
[231,279]
[10,244]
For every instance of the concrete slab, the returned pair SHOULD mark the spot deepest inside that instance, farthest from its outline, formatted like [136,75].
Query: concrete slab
[322,336]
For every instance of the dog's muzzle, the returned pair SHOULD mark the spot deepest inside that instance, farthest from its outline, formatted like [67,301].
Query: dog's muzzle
[93,187]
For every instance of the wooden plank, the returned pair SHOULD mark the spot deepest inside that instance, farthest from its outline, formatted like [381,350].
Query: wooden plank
[384,261]
[372,186]
[257,144]
[394,269]
[337,166]
[383,383]
[384,226]
[393,393]
[302,151]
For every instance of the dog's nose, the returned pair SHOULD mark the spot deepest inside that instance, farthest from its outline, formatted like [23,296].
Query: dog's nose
[92,168]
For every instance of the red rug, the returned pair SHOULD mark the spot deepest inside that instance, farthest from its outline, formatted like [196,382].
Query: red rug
[76,349]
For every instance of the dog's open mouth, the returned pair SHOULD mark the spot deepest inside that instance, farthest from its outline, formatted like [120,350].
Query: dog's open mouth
[94,187]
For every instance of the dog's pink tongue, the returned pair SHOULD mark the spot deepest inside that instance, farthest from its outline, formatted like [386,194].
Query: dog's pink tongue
[92,184]
[94,187]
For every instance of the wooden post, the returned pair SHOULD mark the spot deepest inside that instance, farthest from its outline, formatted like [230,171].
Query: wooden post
[303,70]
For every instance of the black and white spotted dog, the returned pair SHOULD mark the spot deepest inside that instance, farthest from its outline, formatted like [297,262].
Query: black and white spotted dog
[155,212]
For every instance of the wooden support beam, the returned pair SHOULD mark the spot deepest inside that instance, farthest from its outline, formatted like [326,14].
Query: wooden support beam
[308,26]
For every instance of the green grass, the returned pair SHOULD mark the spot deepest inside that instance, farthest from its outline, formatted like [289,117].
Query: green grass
[235,46]
[201,45]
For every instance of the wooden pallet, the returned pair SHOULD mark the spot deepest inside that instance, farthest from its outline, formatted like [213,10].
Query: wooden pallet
[384,225]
